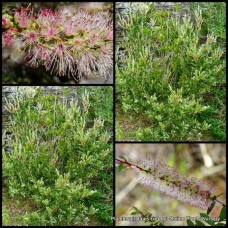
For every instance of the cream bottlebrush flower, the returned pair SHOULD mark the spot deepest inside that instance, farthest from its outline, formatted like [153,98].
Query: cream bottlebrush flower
[69,42]
[168,180]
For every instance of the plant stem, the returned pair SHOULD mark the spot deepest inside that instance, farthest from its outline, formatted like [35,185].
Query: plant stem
[218,202]
[131,165]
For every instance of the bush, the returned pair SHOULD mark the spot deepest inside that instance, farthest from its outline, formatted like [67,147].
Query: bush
[61,155]
[173,74]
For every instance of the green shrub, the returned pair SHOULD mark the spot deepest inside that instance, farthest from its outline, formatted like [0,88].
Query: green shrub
[56,157]
[5,216]
[173,73]
[214,15]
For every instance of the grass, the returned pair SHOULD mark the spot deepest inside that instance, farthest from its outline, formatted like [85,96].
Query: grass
[59,170]
[172,85]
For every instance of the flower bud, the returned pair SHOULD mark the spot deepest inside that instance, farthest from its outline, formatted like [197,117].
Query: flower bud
[7,21]
[8,37]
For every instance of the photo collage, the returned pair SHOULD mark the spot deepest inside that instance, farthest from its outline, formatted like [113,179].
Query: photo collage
[113,113]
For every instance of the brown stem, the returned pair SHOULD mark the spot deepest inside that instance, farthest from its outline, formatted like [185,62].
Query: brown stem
[131,165]
[143,215]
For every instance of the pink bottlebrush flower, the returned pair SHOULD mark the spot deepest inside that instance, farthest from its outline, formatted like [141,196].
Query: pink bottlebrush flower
[67,42]
[45,13]
[28,39]
[69,29]
[46,21]
[23,16]
[50,32]
[169,181]
[8,37]
[39,55]
[60,59]
[6,21]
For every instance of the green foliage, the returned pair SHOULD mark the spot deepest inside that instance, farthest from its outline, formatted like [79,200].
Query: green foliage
[209,221]
[173,76]
[5,216]
[210,208]
[120,168]
[214,14]
[147,218]
[60,162]
[221,220]
[203,220]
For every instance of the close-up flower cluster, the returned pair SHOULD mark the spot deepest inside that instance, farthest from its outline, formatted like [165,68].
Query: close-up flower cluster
[169,181]
[160,183]
[179,186]
[69,42]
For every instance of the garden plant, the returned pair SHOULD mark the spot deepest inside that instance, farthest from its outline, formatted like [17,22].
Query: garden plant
[60,157]
[171,81]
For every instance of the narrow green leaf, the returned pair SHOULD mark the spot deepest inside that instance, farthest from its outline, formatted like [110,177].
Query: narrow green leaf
[135,213]
[204,215]
[199,223]
[222,215]
[207,219]
[190,223]
[120,168]
[210,222]
[220,224]
[210,208]
[148,215]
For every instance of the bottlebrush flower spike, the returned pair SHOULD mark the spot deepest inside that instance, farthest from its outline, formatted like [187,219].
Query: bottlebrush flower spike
[8,37]
[68,42]
[6,21]
[169,181]
[23,16]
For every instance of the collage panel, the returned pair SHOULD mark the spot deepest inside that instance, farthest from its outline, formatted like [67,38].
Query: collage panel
[57,43]
[167,184]
[57,155]
[170,71]
[113,113]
